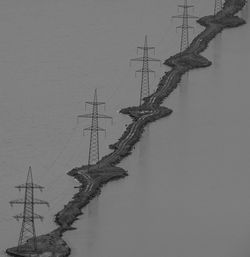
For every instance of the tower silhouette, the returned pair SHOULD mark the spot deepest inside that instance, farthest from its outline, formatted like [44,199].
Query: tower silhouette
[185,16]
[145,59]
[94,129]
[28,216]
[217,6]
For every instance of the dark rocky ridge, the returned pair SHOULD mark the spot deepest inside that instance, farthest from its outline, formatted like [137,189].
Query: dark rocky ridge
[52,243]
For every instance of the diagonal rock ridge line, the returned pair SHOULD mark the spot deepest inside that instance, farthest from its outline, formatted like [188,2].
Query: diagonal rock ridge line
[94,177]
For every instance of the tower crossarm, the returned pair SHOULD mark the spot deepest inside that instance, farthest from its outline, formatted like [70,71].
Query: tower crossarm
[146,47]
[99,116]
[97,129]
[21,216]
[188,16]
[95,103]
[38,201]
[22,201]
[142,70]
[184,27]
[103,116]
[142,59]
[185,6]
[29,185]
[94,129]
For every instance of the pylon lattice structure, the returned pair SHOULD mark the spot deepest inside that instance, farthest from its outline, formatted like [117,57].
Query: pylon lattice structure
[145,59]
[94,129]
[28,216]
[217,6]
[185,16]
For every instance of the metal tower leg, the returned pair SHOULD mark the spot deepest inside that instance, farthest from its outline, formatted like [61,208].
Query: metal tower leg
[217,6]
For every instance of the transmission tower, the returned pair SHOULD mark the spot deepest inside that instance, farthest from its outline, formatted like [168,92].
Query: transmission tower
[217,6]
[145,59]
[28,216]
[185,16]
[94,129]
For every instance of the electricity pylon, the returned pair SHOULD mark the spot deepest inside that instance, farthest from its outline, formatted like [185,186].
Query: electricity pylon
[28,216]
[94,129]
[145,59]
[217,6]
[185,16]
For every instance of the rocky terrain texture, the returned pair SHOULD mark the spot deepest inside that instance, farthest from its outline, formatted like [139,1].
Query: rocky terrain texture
[94,177]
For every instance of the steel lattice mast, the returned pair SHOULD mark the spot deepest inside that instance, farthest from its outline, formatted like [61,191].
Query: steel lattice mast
[217,6]
[185,16]
[94,129]
[28,216]
[145,59]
